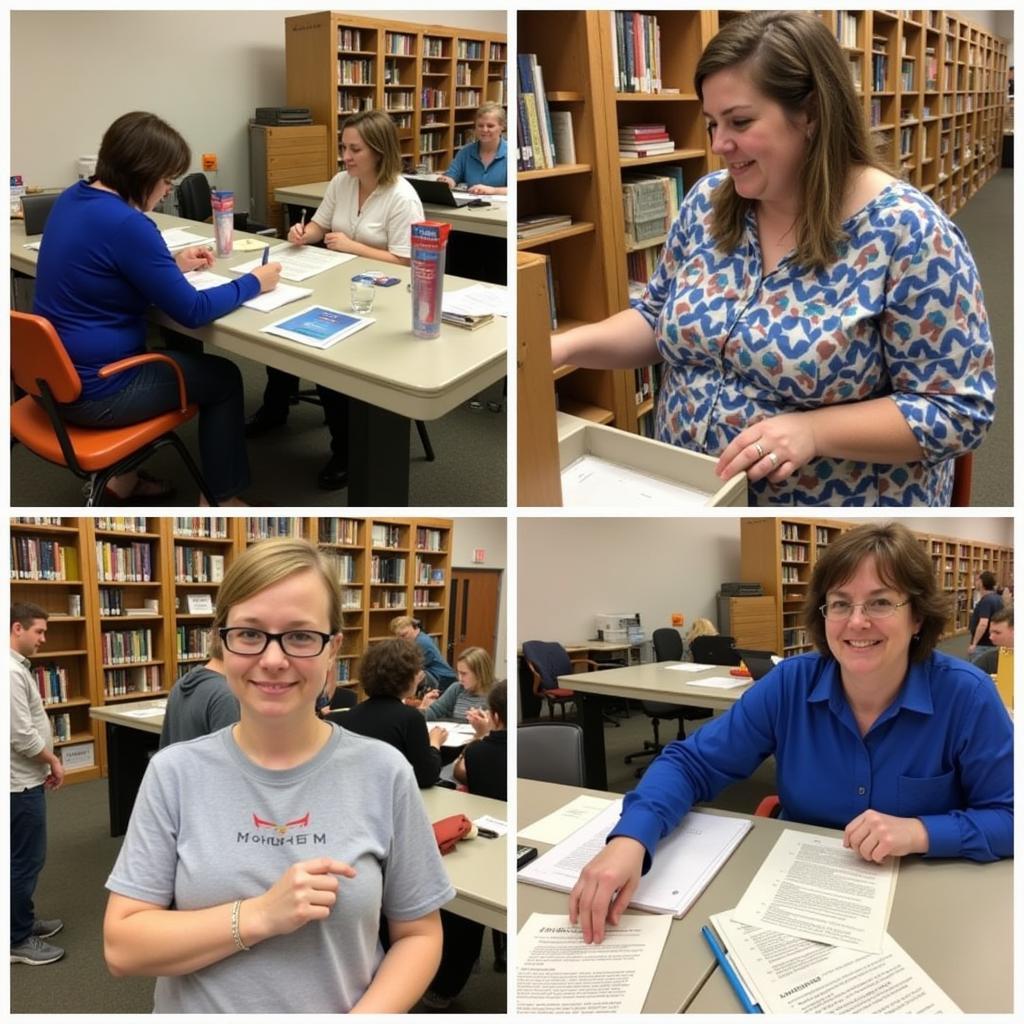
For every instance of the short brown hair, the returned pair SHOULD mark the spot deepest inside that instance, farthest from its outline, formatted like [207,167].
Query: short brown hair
[270,561]
[492,108]
[987,579]
[794,60]
[901,562]
[137,152]
[401,622]
[1004,615]
[480,664]
[388,668]
[497,700]
[378,131]
[25,613]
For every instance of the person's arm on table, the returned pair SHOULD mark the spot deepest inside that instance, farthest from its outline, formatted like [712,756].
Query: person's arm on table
[488,190]
[408,967]
[340,242]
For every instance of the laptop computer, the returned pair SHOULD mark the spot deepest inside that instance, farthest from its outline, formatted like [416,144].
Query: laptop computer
[437,193]
[759,663]
[36,209]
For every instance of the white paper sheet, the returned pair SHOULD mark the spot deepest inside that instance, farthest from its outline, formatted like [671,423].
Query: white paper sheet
[32,245]
[813,887]
[561,824]
[722,682]
[477,300]
[556,973]
[494,824]
[146,712]
[787,974]
[688,666]
[277,297]
[203,279]
[298,262]
[591,481]
[181,238]
[686,860]
[459,733]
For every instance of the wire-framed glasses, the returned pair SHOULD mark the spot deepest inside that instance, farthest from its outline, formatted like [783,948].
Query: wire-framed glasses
[875,608]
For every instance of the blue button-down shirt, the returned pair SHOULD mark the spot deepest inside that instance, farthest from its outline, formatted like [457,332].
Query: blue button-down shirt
[468,168]
[941,752]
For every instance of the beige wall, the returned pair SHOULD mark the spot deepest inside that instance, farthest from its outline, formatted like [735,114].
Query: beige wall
[489,534]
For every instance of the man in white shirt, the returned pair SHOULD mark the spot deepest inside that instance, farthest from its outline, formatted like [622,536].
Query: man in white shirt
[34,769]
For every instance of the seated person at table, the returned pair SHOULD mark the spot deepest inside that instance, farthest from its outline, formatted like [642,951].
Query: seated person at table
[102,267]
[368,210]
[906,749]
[483,163]
[700,627]
[200,702]
[439,674]
[1000,631]
[483,769]
[387,675]
[476,677]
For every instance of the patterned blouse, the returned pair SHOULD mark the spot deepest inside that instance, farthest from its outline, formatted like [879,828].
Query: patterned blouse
[899,313]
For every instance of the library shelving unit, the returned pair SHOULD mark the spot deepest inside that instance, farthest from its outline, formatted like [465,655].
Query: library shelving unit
[933,86]
[429,78]
[780,554]
[113,637]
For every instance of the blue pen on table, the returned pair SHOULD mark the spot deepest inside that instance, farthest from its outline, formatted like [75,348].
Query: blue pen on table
[730,973]
[266,256]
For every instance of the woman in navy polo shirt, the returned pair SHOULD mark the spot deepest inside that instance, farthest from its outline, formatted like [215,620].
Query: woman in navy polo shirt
[483,164]
[906,749]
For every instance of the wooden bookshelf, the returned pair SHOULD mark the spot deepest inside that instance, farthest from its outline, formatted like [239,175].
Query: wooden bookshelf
[780,554]
[429,78]
[937,116]
[75,642]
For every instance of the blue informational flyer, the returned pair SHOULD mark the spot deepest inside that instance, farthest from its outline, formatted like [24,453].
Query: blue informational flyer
[318,326]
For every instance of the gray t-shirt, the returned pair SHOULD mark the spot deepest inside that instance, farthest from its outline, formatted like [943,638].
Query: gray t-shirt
[210,827]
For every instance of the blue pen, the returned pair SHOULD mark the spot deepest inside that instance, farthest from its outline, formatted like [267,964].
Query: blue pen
[730,973]
[266,255]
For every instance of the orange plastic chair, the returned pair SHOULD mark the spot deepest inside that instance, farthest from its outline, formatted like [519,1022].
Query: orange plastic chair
[41,367]
[769,807]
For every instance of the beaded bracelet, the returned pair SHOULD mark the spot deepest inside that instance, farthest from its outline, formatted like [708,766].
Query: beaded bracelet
[235,933]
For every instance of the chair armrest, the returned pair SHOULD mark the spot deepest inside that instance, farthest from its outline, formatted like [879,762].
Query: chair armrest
[594,666]
[148,357]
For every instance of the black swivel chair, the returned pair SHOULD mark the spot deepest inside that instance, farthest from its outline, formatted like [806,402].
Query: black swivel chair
[714,650]
[193,196]
[668,646]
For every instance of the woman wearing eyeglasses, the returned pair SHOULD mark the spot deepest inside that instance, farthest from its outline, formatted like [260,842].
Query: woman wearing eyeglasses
[905,749]
[261,861]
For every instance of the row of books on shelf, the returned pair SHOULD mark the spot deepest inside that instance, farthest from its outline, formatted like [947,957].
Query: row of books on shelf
[429,539]
[263,527]
[352,71]
[794,552]
[125,646]
[197,565]
[118,682]
[541,224]
[36,558]
[52,681]
[636,54]
[112,602]
[212,527]
[338,531]
[544,136]
[61,724]
[400,43]
[796,637]
[640,267]
[346,567]
[38,520]
[353,102]
[423,598]
[650,205]
[387,569]
[792,531]
[427,573]
[386,535]
[643,140]
[352,38]
[193,641]
[351,600]
[124,563]
[123,524]
[389,599]
[648,381]
[790,574]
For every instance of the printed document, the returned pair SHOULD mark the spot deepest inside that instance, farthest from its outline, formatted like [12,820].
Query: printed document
[459,733]
[685,862]
[688,666]
[722,682]
[318,326]
[558,974]
[812,886]
[787,974]
[298,261]
[147,712]
[561,824]
[593,481]
[477,300]
[181,238]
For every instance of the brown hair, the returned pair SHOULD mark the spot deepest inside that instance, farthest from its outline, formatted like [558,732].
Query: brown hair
[793,59]
[269,562]
[378,131]
[987,580]
[137,152]
[479,663]
[497,700]
[25,613]
[401,622]
[901,563]
[490,107]
[1004,615]
[388,668]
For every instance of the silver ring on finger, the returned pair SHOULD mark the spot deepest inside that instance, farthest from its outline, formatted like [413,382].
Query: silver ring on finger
[775,460]
[759,449]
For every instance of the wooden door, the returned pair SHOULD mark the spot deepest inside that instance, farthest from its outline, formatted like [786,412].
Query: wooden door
[473,612]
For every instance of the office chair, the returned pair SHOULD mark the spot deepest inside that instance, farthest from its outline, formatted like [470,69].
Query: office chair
[668,646]
[769,807]
[714,650]
[41,368]
[193,198]
[36,210]
[550,752]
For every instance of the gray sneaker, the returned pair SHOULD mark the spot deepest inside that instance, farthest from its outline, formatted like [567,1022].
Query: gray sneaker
[45,929]
[33,951]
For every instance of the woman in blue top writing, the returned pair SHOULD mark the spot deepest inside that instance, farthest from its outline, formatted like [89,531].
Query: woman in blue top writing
[102,266]
[821,322]
[906,749]
[483,164]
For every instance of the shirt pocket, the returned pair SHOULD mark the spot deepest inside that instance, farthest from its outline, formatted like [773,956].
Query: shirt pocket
[936,795]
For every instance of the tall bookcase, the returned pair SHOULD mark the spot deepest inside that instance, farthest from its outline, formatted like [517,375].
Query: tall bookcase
[122,626]
[937,114]
[780,554]
[429,78]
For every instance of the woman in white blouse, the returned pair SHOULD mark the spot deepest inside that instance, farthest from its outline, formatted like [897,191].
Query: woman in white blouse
[368,209]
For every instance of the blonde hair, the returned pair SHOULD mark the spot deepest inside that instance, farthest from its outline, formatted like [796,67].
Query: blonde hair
[378,131]
[400,622]
[491,108]
[478,661]
[701,627]
[269,562]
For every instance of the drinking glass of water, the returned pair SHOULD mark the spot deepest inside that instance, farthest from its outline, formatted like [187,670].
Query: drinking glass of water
[362,297]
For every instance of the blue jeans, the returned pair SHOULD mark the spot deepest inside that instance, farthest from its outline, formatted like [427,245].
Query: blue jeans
[213,383]
[28,854]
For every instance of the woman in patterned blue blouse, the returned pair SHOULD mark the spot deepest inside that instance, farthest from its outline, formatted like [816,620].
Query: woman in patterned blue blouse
[821,322]
[906,749]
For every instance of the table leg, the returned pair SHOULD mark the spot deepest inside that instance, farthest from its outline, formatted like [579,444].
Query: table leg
[593,740]
[128,752]
[378,456]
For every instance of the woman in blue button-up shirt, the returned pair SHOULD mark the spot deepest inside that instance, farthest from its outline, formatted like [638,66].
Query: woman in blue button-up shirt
[483,164]
[906,749]
[821,322]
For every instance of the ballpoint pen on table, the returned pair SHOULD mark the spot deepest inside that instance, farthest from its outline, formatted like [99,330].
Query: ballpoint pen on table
[266,255]
[730,972]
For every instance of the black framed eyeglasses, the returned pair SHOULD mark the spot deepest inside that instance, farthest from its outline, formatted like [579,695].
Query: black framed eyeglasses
[876,608]
[296,643]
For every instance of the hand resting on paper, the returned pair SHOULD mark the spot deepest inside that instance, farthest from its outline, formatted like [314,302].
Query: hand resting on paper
[267,275]
[593,900]
[876,836]
[195,257]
